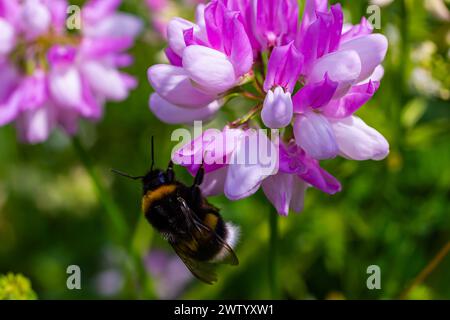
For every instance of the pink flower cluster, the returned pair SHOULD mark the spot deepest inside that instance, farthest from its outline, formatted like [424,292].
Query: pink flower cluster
[51,76]
[309,76]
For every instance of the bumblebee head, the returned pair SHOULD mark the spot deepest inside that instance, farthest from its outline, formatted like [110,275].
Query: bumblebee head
[154,179]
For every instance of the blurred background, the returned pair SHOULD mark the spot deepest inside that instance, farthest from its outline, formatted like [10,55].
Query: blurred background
[394,213]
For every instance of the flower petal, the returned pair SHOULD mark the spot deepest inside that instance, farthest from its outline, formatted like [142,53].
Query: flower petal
[35,19]
[65,87]
[311,8]
[250,165]
[90,108]
[61,56]
[313,133]
[319,178]
[284,67]
[7,38]
[343,67]
[173,84]
[34,126]
[371,50]
[278,189]
[103,48]
[94,10]
[241,53]
[376,76]
[115,25]
[10,108]
[175,34]
[352,101]
[10,79]
[105,81]
[172,114]
[314,95]
[213,149]
[278,110]
[358,141]
[294,160]
[210,68]
[34,90]
[173,58]
[355,31]
[214,182]
[58,12]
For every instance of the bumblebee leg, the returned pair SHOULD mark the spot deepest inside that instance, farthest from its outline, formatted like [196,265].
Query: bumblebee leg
[199,176]
[196,192]
[169,172]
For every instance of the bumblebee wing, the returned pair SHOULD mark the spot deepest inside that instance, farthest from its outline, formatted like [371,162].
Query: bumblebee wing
[203,271]
[227,255]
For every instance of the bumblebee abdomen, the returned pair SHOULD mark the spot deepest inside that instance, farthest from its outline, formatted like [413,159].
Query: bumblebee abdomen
[215,222]
[206,245]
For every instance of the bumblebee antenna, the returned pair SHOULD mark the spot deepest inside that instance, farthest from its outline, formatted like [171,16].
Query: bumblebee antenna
[153,154]
[126,175]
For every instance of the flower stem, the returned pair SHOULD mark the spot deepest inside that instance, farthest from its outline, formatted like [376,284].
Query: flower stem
[430,267]
[140,245]
[273,254]
[120,228]
[135,269]
[251,96]
[246,118]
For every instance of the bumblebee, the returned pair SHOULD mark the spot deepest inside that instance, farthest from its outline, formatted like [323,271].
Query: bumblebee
[192,226]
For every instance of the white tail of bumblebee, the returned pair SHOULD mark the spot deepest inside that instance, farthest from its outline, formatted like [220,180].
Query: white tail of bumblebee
[233,234]
[231,238]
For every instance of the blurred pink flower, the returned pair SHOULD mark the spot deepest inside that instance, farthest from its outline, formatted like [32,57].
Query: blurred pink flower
[169,272]
[53,78]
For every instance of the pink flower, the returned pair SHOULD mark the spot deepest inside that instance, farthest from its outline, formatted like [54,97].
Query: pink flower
[284,182]
[72,75]
[170,274]
[207,59]
[283,71]
[269,23]
[317,74]
[236,161]
[101,18]
[175,114]
[35,18]
[298,171]
[278,109]
[340,75]
[275,22]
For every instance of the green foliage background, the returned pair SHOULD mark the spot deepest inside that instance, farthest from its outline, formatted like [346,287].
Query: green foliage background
[394,213]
